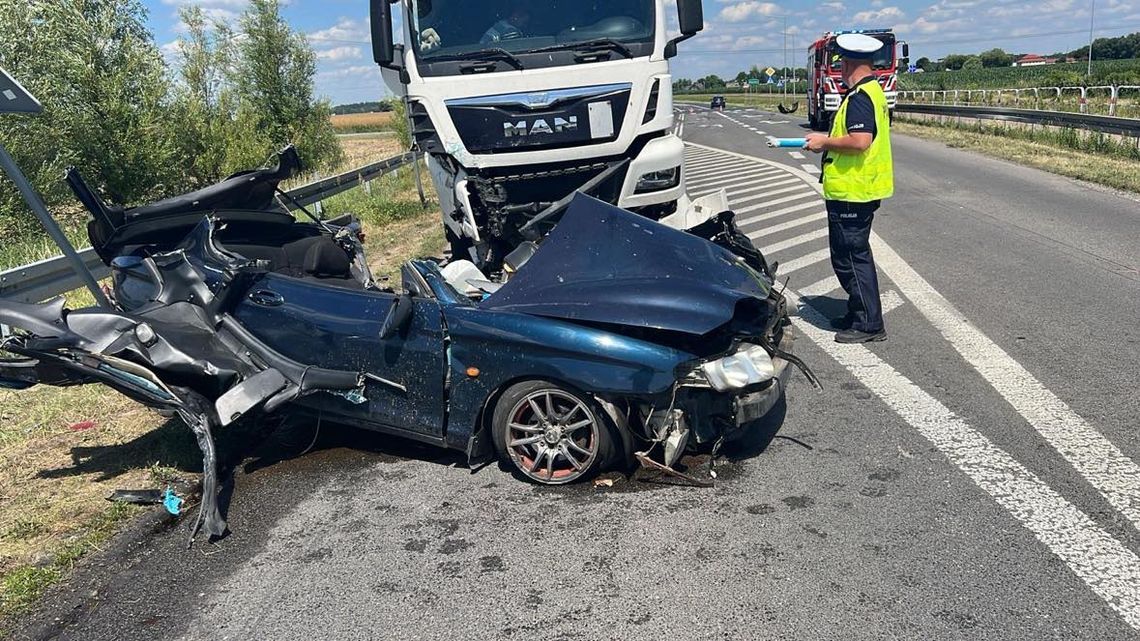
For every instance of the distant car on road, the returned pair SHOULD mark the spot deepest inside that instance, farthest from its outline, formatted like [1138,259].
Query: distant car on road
[717,103]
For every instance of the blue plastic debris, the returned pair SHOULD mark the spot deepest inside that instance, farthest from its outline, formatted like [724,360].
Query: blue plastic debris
[172,502]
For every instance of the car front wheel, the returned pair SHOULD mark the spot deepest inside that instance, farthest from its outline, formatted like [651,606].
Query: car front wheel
[552,434]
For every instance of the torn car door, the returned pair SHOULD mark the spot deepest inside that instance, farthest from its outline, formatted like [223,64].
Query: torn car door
[340,328]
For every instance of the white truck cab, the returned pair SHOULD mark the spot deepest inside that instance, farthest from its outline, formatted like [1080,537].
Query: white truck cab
[518,103]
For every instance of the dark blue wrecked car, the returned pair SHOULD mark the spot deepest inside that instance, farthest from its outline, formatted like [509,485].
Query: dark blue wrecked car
[611,337]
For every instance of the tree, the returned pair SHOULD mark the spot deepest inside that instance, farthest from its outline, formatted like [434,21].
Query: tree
[924,64]
[1118,48]
[712,82]
[995,58]
[954,61]
[742,78]
[217,132]
[972,62]
[273,77]
[101,78]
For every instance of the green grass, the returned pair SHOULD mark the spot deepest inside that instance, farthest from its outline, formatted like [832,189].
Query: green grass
[1096,159]
[32,244]
[22,587]
[393,198]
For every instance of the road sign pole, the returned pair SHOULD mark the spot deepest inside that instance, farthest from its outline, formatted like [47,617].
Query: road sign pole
[40,210]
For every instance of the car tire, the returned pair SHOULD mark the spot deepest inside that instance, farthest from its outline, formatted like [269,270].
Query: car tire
[579,442]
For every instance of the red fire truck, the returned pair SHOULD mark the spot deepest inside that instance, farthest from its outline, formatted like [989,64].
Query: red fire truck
[825,84]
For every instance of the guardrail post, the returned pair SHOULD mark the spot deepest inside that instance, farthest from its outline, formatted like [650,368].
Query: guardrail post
[419,179]
[40,210]
[1084,100]
[1112,100]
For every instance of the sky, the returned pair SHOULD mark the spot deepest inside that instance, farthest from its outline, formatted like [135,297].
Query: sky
[737,35]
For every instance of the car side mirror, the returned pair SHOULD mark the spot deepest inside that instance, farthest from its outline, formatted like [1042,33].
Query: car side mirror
[906,51]
[399,315]
[383,48]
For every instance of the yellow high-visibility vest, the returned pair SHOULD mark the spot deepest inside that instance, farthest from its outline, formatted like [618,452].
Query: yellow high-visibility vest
[862,178]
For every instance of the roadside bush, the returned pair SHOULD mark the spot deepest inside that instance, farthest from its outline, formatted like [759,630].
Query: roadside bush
[138,130]
[103,85]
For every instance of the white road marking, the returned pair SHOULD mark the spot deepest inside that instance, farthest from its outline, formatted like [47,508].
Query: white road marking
[737,178]
[734,173]
[797,155]
[1116,476]
[1103,563]
[706,165]
[746,181]
[820,288]
[791,208]
[751,187]
[811,169]
[890,300]
[768,182]
[779,201]
[791,242]
[803,261]
[797,187]
[791,224]
[729,167]
[753,223]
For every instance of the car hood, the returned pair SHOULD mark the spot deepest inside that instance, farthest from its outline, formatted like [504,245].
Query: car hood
[603,264]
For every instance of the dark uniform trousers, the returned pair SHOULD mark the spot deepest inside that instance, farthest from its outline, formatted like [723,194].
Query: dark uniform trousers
[849,232]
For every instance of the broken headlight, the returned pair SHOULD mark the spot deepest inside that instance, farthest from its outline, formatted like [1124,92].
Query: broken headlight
[748,366]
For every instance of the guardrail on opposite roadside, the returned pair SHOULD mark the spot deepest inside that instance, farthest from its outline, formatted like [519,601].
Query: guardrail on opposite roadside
[1104,124]
[1106,96]
[54,276]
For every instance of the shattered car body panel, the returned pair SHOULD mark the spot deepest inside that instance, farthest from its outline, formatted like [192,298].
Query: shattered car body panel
[674,340]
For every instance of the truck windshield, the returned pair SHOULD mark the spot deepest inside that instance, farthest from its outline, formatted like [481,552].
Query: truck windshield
[884,58]
[446,29]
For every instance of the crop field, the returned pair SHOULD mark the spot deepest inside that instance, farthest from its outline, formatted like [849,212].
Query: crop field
[363,123]
[1105,72]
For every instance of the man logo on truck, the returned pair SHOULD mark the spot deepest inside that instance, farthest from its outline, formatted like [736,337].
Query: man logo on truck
[540,126]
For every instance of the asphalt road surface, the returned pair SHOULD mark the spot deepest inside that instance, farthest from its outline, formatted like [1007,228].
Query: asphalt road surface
[973,477]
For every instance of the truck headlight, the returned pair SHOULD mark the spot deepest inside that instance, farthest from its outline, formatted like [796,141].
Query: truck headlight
[658,180]
[749,366]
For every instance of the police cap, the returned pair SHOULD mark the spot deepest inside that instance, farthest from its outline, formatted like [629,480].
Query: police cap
[857,46]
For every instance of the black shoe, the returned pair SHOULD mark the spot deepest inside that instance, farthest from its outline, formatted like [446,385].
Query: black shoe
[856,336]
[843,322]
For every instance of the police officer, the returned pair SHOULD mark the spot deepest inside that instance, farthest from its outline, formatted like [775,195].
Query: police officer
[857,175]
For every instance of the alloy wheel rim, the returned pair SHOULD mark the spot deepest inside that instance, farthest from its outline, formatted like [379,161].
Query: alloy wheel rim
[552,437]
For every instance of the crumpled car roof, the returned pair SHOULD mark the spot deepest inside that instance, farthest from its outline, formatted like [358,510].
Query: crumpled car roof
[603,264]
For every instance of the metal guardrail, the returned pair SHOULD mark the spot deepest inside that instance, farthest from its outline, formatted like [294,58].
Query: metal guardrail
[1108,95]
[1105,124]
[54,276]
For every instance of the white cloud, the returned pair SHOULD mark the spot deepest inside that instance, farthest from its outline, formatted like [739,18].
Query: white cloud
[878,16]
[337,54]
[346,30]
[749,9]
